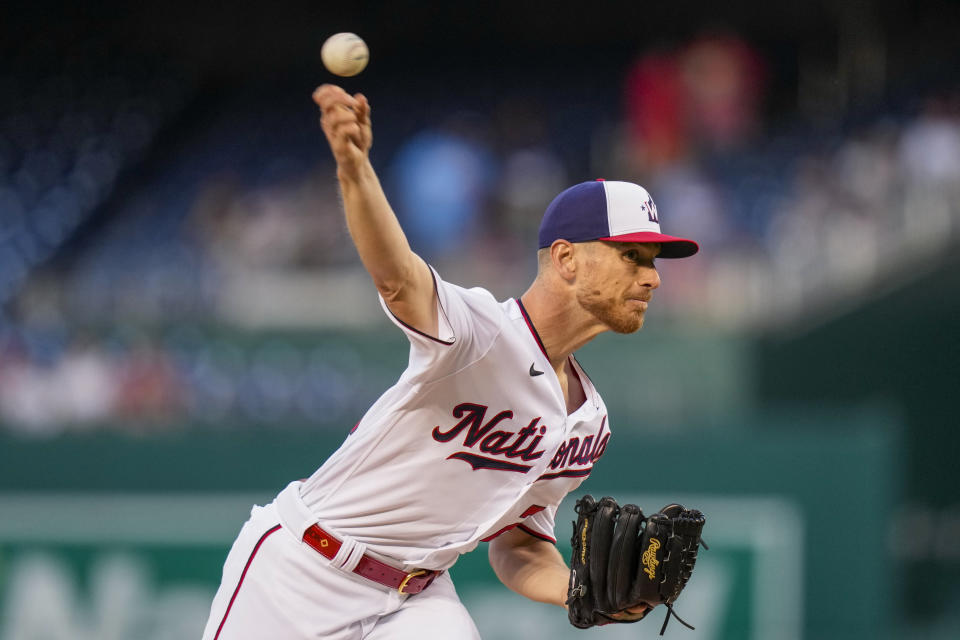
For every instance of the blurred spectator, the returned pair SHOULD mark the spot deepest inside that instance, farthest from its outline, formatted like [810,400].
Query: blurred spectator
[930,146]
[723,85]
[131,380]
[532,174]
[292,224]
[656,110]
[441,184]
[24,392]
[865,171]
[83,384]
[48,385]
[148,391]
[705,95]
[929,158]
[694,204]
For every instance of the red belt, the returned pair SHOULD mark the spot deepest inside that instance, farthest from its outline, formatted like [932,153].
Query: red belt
[371,568]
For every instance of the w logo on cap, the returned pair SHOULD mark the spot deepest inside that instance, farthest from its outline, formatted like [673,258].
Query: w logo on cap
[651,208]
[611,211]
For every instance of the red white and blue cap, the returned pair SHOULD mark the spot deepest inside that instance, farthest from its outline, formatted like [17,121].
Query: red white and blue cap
[612,211]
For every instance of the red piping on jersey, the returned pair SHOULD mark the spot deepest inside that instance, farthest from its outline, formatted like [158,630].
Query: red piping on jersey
[533,329]
[536,534]
[517,525]
[242,576]
[509,527]
[531,510]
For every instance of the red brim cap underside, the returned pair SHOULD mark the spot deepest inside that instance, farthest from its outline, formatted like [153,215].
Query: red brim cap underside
[671,246]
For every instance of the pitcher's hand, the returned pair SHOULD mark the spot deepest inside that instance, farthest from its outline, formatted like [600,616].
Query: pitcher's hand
[345,120]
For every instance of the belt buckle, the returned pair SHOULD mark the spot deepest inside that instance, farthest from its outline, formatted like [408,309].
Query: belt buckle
[412,574]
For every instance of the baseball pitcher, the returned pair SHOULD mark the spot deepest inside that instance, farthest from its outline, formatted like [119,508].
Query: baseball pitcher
[490,426]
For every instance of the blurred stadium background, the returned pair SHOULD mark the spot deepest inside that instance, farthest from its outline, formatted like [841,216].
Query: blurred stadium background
[184,326]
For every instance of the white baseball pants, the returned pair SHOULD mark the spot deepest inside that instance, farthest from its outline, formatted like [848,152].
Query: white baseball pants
[276,587]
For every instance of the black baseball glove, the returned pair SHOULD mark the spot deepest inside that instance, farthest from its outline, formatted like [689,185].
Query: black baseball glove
[623,559]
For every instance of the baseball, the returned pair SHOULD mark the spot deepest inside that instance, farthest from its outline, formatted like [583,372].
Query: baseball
[345,54]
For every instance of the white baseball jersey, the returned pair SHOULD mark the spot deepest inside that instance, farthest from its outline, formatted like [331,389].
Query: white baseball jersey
[474,439]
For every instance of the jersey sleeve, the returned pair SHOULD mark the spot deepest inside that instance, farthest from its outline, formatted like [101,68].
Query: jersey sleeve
[541,524]
[468,321]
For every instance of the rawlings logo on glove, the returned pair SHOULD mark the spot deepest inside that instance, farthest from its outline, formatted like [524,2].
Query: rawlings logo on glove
[622,559]
[649,559]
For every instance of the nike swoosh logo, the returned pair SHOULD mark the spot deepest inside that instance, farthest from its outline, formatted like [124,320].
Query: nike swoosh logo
[534,372]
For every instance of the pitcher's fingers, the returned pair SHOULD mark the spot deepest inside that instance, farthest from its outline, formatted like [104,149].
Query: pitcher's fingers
[339,113]
[327,90]
[363,108]
[328,95]
[640,608]
[343,132]
[323,93]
